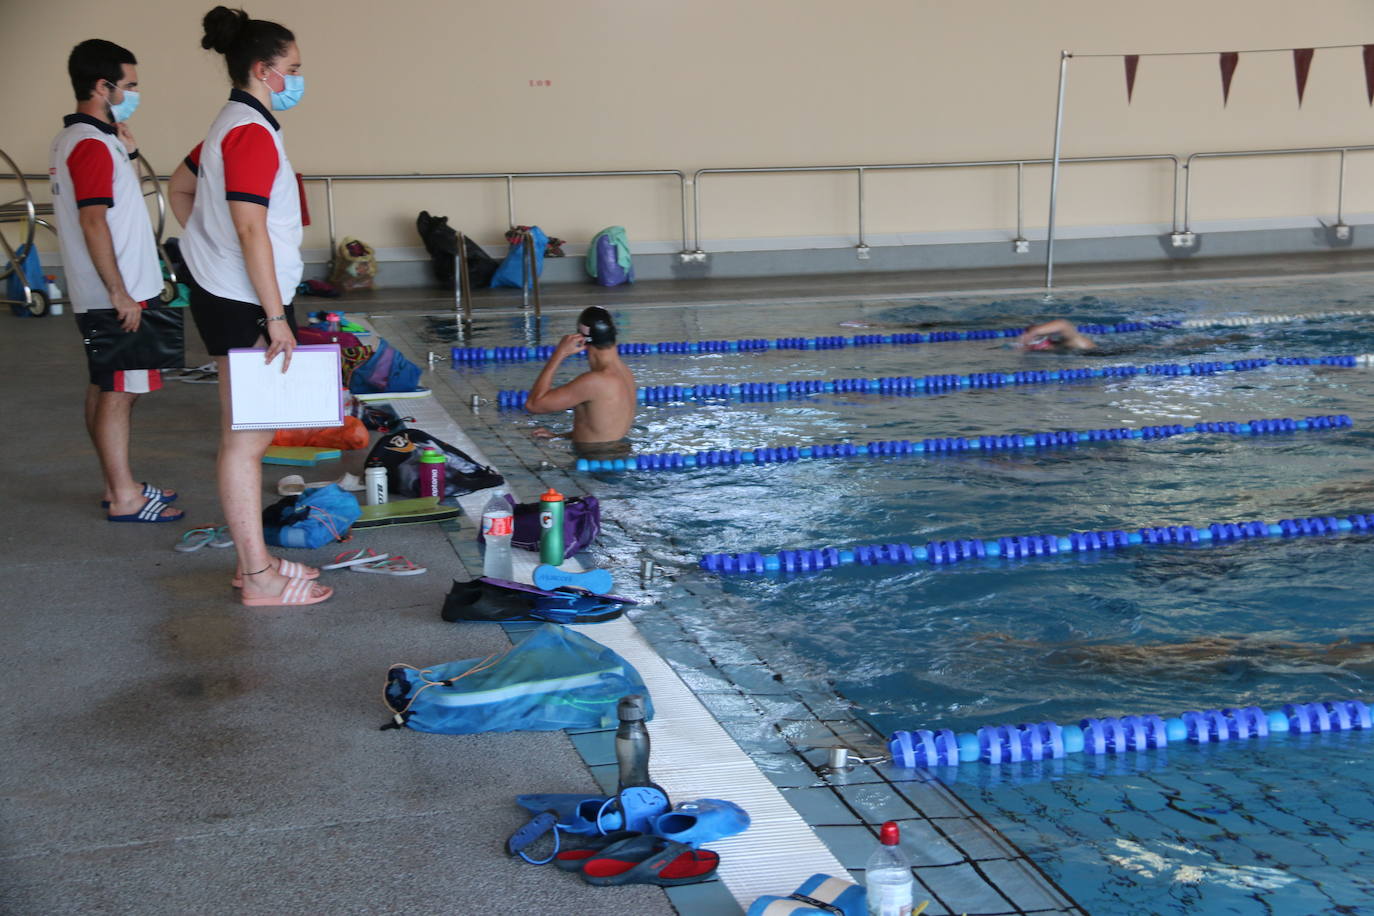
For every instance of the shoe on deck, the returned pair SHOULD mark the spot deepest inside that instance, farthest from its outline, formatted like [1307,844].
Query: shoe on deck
[151,514]
[297,592]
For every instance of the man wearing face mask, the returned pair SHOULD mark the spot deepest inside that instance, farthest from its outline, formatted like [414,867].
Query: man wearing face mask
[109,255]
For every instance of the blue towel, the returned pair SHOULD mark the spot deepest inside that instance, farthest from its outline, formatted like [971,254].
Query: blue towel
[841,896]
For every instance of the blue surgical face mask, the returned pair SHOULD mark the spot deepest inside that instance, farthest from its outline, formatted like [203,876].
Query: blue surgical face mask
[124,109]
[292,89]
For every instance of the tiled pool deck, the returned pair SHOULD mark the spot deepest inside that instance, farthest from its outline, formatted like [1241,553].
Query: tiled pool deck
[961,863]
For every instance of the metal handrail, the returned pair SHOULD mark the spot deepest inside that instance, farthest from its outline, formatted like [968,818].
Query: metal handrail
[508,177]
[529,282]
[462,288]
[860,170]
[1297,151]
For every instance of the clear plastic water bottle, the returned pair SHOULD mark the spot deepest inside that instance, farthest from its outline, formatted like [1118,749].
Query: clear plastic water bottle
[374,483]
[498,524]
[888,875]
[632,742]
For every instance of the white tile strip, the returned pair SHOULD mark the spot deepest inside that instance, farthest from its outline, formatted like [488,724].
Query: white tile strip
[693,756]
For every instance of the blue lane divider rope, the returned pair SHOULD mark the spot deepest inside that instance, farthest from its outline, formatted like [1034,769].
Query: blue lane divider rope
[927,748]
[948,553]
[916,386]
[760,344]
[666,461]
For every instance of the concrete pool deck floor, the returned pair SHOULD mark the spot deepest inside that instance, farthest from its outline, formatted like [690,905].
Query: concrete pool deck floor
[168,751]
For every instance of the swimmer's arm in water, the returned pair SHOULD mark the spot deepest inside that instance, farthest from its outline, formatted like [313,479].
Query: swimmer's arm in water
[544,398]
[1063,331]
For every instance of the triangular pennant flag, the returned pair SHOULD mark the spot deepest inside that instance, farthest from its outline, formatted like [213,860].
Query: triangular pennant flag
[1302,63]
[1229,59]
[1369,71]
[1132,61]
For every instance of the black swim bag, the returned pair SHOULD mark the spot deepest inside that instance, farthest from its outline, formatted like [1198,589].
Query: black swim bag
[399,453]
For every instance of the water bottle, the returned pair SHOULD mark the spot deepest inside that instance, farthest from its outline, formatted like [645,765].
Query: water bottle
[498,524]
[432,473]
[632,742]
[54,293]
[888,875]
[551,528]
[374,482]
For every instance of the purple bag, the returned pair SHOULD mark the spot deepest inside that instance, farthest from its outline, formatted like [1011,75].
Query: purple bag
[581,524]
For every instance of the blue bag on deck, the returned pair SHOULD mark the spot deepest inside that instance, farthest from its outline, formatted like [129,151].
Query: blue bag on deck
[27,256]
[386,370]
[512,270]
[312,519]
[555,678]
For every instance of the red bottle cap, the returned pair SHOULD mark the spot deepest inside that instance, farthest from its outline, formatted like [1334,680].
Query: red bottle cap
[891,834]
[552,496]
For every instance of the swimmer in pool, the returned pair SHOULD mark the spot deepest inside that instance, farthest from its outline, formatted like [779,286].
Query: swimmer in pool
[1058,335]
[602,399]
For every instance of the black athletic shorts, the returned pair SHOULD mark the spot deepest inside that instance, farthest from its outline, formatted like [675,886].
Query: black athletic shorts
[226,324]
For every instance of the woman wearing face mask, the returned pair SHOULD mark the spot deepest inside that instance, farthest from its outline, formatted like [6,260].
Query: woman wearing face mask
[236,196]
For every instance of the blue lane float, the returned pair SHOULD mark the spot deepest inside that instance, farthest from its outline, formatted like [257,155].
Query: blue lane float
[917,386]
[1020,547]
[929,748]
[478,355]
[735,457]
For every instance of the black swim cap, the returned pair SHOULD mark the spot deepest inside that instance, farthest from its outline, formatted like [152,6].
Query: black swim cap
[596,325]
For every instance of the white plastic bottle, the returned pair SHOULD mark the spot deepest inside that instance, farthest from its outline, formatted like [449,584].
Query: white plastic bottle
[54,293]
[498,524]
[888,876]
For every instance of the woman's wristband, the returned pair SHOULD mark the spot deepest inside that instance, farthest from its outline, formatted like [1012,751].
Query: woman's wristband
[277,318]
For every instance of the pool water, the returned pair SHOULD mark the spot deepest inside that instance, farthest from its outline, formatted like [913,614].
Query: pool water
[1268,826]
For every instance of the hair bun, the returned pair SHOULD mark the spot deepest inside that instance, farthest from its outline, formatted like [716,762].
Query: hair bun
[222,27]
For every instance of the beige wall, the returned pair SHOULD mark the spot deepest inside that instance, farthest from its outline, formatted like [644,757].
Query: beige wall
[443,85]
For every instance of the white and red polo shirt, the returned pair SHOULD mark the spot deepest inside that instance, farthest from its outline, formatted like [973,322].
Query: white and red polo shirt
[242,158]
[89,167]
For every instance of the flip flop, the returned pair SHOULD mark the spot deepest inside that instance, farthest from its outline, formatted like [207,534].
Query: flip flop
[194,539]
[701,821]
[542,823]
[149,492]
[391,566]
[355,557]
[573,859]
[638,807]
[288,568]
[222,537]
[295,592]
[291,485]
[649,860]
[150,514]
[596,581]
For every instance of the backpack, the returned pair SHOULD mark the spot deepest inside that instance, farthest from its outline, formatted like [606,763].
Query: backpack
[512,270]
[441,241]
[554,678]
[581,524]
[312,519]
[355,264]
[386,369]
[399,453]
[608,258]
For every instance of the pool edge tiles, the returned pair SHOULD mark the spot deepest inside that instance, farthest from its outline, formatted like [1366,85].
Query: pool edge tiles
[694,751]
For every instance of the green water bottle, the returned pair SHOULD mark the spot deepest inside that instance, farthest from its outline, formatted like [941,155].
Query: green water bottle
[551,521]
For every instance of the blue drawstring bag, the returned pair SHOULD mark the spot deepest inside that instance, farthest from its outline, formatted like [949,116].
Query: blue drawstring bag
[608,258]
[386,369]
[555,678]
[312,519]
[27,256]
[512,270]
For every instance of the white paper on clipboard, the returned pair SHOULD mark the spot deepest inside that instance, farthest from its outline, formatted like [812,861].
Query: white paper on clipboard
[308,394]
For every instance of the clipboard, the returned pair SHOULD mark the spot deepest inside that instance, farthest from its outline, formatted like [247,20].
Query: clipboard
[307,395]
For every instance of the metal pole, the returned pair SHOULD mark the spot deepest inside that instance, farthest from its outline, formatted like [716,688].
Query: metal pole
[682,205]
[532,261]
[510,200]
[1020,205]
[329,208]
[1054,169]
[1188,192]
[462,291]
[1340,192]
[862,243]
[696,212]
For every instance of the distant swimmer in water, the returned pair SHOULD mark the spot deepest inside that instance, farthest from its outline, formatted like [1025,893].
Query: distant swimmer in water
[1058,335]
[1210,652]
[602,399]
